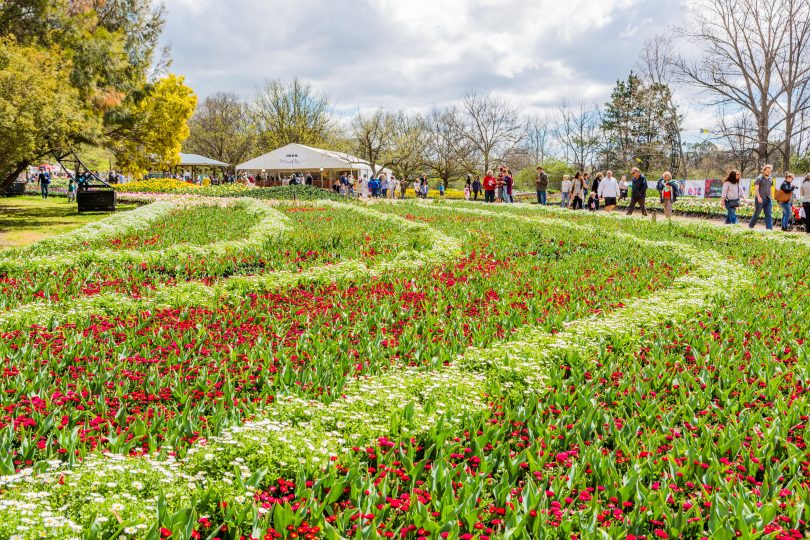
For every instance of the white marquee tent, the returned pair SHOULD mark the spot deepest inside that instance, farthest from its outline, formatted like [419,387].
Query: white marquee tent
[295,158]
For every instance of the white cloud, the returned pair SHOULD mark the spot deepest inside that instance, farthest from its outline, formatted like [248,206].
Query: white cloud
[415,53]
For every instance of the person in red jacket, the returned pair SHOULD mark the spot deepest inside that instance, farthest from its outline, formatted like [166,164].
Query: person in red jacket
[489,187]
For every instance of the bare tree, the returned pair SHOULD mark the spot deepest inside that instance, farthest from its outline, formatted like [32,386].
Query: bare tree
[409,146]
[449,154]
[539,137]
[578,133]
[221,129]
[739,133]
[491,125]
[747,47]
[293,113]
[657,65]
[793,67]
[374,136]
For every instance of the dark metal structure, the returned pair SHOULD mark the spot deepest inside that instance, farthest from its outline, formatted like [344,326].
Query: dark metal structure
[93,194]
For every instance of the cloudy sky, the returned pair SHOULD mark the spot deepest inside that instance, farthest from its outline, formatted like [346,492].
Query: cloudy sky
[411,54]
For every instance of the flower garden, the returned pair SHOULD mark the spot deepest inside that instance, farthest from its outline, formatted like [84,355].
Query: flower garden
[211,367]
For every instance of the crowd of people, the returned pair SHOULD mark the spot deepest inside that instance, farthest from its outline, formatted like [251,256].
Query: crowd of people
[605,191]
[789,190]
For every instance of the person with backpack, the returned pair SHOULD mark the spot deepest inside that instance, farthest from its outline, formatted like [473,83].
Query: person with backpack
[784,196]
[577,192]
[44,179]
[732,196]
[667,192]
[638,193]
[763,185]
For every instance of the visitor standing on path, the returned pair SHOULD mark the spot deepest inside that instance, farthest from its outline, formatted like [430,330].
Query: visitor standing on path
[476,188]
[508,182]
[763,185]
[623,188]
[638,193]
[668,192]
[785,199]
[71,190]
[565,191]
[593,200]
[467,188]
[541,184]
[393,187]
[805,195]
[44,181]
[586,180]
[609,191]
[489,187]
[732,196]
[577,192]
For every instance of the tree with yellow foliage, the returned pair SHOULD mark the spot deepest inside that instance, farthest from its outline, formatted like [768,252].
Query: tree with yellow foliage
[160,126]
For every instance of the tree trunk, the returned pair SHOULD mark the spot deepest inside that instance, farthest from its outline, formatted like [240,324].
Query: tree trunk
[11,177]
[762,139]
[787,147]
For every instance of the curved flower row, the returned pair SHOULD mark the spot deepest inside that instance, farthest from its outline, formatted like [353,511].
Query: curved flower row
[443,247]
[271,224]
[296,434]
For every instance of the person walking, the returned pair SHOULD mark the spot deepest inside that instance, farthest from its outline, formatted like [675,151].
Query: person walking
[424,186]
[441,187]
[586,180]
[763,185]
[732,196]
[489,187]
[467,188]
[804,192]
[476,188]
[785,199]
[667,192]
[71,190]
[541,184]
[44,179]
[565,191]
[577,192]
[609,191]
[638,193]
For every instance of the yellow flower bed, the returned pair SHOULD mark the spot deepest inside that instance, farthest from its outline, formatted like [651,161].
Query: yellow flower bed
[157,185]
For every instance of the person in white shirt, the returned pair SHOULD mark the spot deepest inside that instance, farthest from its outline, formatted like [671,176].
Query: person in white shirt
[393,186]
[565,190]
[609,191]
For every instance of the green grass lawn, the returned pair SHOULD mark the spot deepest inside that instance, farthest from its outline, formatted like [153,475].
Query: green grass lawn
[24,220]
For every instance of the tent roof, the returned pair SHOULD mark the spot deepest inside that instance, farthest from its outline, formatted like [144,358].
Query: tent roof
[298,157]
[195,160]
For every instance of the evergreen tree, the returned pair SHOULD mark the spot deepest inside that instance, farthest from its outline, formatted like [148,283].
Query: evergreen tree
[639,125]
